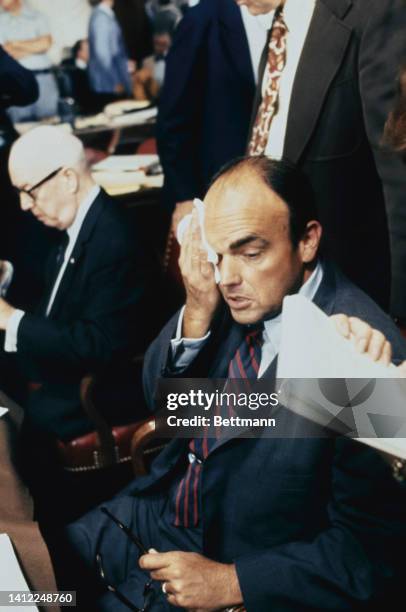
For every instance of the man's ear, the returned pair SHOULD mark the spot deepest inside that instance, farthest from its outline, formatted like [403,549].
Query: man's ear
[310,242]
[72,180]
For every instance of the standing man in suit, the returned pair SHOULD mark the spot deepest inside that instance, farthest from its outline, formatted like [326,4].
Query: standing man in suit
[292,524]
[206,101]
[327,83]
[88,319]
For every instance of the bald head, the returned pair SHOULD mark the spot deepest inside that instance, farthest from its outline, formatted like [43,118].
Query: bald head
[41,151]
[48,166]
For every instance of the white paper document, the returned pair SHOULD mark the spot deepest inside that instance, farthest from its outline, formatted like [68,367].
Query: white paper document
[125,163]
[11,576]
[3,411]
[323,378]
[311,347]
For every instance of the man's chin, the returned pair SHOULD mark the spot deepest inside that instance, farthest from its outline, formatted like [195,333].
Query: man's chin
[246,317]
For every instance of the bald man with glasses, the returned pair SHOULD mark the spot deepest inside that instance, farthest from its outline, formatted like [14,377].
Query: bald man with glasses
[94,293]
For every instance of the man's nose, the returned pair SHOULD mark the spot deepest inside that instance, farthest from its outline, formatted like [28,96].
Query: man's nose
[26,202]
[229,271]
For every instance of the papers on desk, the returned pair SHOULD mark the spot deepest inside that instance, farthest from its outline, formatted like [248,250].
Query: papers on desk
[114,109]
[120,174]
[125,163]
[126,119]
[323,378]
[135,118]
[11,576]
[3,411]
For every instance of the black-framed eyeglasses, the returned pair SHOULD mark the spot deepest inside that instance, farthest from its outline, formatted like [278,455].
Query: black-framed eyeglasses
[29,192]
[148,588]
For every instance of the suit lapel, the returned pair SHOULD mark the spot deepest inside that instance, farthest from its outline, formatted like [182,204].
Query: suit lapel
[323,52]
[77,254]
[234,40]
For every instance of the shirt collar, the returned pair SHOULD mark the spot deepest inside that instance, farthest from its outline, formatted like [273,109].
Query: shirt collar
[106,9]
[74,229]
[308,290]
[294,11]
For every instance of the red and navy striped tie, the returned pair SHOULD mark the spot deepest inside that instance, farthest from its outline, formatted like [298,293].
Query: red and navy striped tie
[245,364]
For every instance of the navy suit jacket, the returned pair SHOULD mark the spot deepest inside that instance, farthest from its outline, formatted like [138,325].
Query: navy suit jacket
[206,101]
[311,524]
[93,326]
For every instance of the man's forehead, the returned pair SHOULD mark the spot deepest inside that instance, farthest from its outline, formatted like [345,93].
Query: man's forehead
[237,208]
[27,174]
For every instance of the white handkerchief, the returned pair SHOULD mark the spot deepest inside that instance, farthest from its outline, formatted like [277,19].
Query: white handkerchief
[184,224]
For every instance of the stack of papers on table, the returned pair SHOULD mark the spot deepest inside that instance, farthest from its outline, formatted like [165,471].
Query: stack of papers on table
[11,576]
[120,174]
[125,163]
[114,109]
[323,378]
[134,118]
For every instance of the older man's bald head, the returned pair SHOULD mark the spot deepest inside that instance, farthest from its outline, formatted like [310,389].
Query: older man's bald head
[41,151]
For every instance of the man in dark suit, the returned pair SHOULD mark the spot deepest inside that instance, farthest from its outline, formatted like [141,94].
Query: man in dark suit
[287,524]
[18,87]
[88,319]
[336,86]
[206,101]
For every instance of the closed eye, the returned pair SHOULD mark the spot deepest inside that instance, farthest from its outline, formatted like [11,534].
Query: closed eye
[252,254]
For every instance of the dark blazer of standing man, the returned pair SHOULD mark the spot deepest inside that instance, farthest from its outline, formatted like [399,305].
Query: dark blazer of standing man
[206,102]
[342,92]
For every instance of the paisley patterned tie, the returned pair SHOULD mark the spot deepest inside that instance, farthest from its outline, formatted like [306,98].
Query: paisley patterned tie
[273,71]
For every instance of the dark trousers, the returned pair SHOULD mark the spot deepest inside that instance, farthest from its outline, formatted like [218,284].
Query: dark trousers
[148,516]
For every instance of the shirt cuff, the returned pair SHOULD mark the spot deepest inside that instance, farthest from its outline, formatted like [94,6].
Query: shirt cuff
[184,350]
[10,341]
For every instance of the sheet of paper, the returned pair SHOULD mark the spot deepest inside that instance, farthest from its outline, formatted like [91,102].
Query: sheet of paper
[11,576]
[124,163]
[311,347]
[135,118]
[324,379]
[3,411]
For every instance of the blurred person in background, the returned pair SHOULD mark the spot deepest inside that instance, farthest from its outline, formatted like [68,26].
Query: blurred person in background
[74,81]
[176,7]
[136,28]
[68,21]
[25,35]
[150,77]
[109,66]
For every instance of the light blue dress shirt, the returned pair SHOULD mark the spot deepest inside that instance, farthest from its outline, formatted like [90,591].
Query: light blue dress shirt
[26,25]
[108,62]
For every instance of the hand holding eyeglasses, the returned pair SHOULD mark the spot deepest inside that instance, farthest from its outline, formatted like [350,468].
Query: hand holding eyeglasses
[192,581]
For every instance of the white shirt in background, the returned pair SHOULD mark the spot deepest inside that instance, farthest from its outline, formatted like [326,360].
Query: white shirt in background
[256,36]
